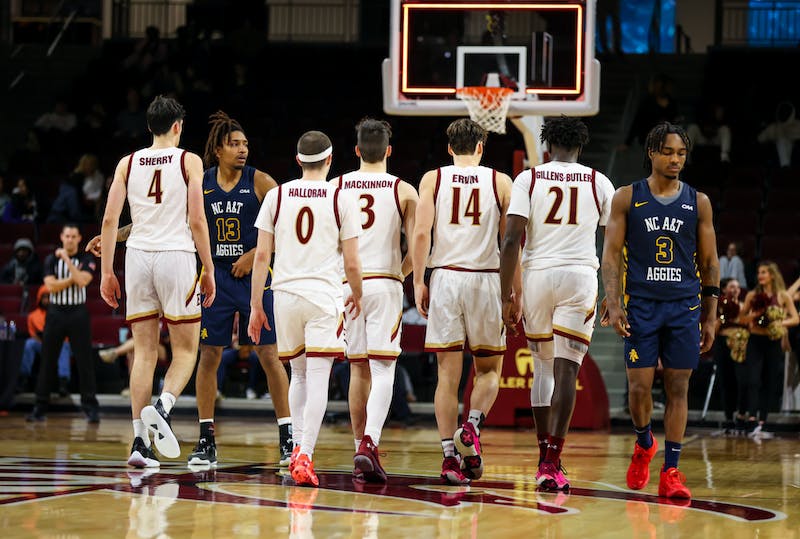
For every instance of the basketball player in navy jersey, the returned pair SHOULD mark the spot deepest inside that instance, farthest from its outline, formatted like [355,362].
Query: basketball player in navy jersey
[660,243]
[232,192]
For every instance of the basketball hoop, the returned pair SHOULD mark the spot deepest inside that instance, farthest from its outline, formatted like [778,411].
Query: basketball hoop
[488,106]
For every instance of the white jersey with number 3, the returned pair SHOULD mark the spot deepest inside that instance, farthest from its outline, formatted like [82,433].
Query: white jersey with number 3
[308,219]
[466,222]
[157,190]
[381,219]
[564,204]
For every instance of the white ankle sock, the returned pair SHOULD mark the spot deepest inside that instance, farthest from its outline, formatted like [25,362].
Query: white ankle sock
[140,431]
[167,401]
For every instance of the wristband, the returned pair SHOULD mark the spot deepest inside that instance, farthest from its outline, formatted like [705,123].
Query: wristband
[712,291]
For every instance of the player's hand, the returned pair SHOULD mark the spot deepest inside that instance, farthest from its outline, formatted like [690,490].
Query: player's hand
[94,246]
[354,305]
[110,290]
[243,265]
[512,313]
[421,297]
[258,319]
[616,319]
[706,336]
[604,313]
[208,287]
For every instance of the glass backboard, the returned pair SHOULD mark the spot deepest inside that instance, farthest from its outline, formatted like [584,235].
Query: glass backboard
[542,50]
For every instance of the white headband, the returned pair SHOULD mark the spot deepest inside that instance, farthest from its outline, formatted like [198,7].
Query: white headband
[313,158]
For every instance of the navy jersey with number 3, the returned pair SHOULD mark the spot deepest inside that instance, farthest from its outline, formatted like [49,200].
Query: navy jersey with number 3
[231,216]
[661,245]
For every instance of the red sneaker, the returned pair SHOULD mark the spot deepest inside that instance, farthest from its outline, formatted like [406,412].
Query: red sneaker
[303,472]
[293,459]
[451,472]
[468,444]
[673,485]
[639,468]
[368,462]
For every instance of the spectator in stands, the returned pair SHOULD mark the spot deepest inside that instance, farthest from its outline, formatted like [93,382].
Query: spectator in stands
[147,56]
[4,197]
[28,158]
[22,208]
[656,106]
[784,131]
[24,267]
[67,207]
[732,266]
[712,130]
[131,121]
[33,346]
[92,183]
[60,119]
[232,355]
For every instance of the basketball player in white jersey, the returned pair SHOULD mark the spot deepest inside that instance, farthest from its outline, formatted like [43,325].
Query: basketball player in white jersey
[373,338]
[558,207]
[462,212]
[310,224]
[163,186]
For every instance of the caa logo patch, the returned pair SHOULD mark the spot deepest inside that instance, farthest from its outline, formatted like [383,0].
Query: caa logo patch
[687,207]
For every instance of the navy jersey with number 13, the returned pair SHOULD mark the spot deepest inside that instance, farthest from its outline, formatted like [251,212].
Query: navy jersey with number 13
[231,216]
[661,245]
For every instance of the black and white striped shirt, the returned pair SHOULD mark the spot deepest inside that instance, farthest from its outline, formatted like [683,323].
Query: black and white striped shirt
[73,294]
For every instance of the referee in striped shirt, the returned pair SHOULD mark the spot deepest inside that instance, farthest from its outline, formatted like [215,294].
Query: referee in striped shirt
[67,273]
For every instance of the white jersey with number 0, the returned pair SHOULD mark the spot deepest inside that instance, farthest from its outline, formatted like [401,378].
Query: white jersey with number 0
[466,222]
[564,204]
[157,188]
[308,219]
[381,220]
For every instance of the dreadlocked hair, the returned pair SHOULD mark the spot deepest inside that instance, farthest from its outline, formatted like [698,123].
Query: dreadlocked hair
[222,126]
[566,132]
[658,136]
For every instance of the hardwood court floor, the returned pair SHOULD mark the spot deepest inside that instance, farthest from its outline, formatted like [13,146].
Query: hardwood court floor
[67,479]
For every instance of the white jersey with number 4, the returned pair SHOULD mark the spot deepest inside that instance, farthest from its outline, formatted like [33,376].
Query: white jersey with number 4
[564,204]
[381,219]
[466,222]
[308,219]
[157,188]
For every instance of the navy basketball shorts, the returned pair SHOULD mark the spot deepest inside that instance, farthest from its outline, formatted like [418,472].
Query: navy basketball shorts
[669,330]
[233,296]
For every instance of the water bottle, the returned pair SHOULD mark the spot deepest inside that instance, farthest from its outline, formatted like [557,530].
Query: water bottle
[11,333]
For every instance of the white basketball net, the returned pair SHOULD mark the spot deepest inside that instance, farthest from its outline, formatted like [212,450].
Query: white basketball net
[487,106]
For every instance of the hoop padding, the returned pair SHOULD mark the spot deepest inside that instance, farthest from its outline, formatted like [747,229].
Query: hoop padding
[487,106]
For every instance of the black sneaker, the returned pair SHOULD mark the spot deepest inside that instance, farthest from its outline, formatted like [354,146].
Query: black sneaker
[158,422]
[286,446]
[39,413]
[92,414]
[204,453]
[142,456]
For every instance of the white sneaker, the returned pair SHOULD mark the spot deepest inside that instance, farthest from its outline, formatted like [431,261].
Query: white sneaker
[158,422]
[250,394]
